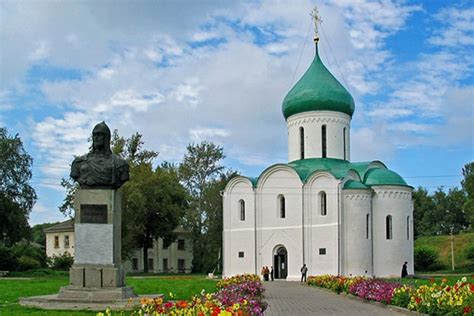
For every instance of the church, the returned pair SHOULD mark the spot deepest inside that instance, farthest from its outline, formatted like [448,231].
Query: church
[320,209]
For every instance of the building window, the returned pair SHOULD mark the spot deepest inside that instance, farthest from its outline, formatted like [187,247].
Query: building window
[135,264]
[165,265]
[241,254]
[242,210]
[322,251]
[408,227]
[56,241]
[367,226]
[301,143]
[66,241]
[180,244]
[344,142]
[388,227]
[150,264]
[323,203]
[281,206]
[181,267]
[323,141]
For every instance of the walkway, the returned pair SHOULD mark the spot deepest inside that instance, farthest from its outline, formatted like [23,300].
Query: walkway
[292,298]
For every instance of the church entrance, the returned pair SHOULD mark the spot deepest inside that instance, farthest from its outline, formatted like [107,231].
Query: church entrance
[280,262]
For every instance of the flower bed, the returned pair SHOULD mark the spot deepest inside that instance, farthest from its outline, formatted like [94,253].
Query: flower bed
[236,296]
[434,299]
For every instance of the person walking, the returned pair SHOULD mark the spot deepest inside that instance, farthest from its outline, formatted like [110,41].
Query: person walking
[303,270]
[271,273]
[404,270]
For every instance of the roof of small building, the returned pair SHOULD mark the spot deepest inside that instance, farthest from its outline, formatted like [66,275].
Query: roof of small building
[371,173]
[66,226]
[317,90]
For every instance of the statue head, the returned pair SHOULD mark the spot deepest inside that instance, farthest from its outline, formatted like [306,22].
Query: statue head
[101,137]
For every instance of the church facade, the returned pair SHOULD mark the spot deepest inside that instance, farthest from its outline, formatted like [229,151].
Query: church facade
[320,209]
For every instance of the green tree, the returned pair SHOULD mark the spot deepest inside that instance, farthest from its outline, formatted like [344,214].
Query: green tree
[37,233]
[423,206]
[468,187]
[17,196]
[200,170]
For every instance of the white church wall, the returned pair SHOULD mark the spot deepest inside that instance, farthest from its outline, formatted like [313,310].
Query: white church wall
[357,233]
[312,122]
[238,234]
[389,254]
[321,231]
[272,229]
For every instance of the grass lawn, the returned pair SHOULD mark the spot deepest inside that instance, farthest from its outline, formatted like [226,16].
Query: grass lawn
[427,279]
[182,286]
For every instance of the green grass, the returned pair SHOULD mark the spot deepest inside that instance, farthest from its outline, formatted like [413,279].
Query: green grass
[442,244]
[182,286]
[428,280]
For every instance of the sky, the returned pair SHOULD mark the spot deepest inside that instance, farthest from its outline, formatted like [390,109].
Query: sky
[181,72]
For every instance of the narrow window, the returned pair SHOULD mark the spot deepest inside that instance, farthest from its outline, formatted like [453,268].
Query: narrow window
[150,264]
[344,142]
[241,254]
[408,227]
[323,140]
[301,143]
[181,266]
[242,210]
[165,265]
[56,241]
[388,227]
[180,244]
[322,251]
[66,241]
[367,226]
[323,204]
[135,264]
[282,206]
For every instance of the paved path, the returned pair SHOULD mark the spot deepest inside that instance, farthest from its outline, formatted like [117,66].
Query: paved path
[292,298]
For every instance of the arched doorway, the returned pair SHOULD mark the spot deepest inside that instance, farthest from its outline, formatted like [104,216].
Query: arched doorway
[280,262]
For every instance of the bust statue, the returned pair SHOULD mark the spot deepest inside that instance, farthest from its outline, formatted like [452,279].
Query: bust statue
[100,168]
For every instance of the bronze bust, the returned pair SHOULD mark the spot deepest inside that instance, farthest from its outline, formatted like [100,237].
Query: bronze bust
[100,168]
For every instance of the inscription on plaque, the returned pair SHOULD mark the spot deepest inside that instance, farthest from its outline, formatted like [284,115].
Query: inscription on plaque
[94,213]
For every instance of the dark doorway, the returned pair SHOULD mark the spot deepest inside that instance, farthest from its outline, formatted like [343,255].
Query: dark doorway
[280,263]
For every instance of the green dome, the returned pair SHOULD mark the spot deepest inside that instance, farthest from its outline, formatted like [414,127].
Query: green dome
[379,176]
[317,90]
[352,184]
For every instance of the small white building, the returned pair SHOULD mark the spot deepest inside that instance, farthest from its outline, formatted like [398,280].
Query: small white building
[177,258]
[336,216]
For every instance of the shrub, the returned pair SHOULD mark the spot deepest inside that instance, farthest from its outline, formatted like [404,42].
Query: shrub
[425,258]
[470,252]
[28,263]
[26,249]
[63,262]
[8,261]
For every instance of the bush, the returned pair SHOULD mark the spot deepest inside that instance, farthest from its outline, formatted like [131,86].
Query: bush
[26,249]
[28,263]
[470,252]
[425,259]
[63,262]
[8,261]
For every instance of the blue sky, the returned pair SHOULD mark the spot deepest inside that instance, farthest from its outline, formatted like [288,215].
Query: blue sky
[186,71]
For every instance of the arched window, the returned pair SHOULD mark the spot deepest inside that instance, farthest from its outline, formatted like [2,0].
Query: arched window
[301,143]
[367,226]
[323,141]
[281,206]
[344,142]
[242,210]
[408,227]
[323,203]
[388,227]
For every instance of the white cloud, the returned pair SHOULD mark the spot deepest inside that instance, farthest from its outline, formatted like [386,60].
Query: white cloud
[458,28]
[201,134]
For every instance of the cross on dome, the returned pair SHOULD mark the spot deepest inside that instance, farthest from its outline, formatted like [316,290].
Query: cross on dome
[317,19]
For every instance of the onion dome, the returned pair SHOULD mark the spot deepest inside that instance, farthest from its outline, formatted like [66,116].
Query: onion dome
[317,90]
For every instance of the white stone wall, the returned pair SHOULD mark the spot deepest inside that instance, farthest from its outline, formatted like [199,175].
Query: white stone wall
[311,122]
[357,244]
[238,235]
[321,231]
[273,231]
[59,251]
[389,254]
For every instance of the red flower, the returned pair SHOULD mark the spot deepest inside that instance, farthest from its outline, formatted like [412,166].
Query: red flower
[417,300]
[467,310]
[448,288]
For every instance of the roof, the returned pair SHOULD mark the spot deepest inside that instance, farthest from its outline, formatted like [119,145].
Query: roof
[371,173]
[317,90]
[67,226]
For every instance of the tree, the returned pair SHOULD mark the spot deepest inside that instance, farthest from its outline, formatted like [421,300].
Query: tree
[423,206]
[468,187]
[17,196]
[199,172]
